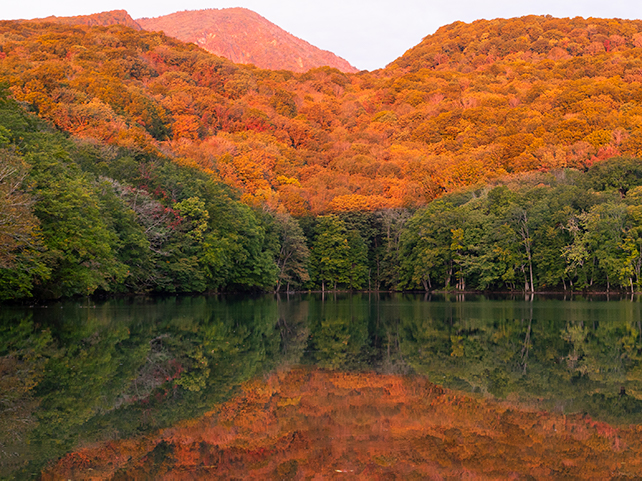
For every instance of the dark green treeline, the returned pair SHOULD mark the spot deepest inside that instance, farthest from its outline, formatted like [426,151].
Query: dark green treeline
[82,218]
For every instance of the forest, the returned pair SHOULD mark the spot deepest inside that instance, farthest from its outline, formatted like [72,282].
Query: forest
[499,155]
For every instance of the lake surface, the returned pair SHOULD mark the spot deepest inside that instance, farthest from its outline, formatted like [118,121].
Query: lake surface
[348,379]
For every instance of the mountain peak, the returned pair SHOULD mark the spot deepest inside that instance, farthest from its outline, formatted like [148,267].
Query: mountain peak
[246,37]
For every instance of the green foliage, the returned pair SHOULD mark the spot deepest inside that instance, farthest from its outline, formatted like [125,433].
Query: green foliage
[338,255]
[21,259]
[93,218]
[620,173]
[79,243]
[293,255]
[553,235]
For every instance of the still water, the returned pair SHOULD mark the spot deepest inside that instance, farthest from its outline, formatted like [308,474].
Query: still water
[372,386]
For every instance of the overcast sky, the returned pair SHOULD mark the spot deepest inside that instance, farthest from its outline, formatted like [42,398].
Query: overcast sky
[368,33]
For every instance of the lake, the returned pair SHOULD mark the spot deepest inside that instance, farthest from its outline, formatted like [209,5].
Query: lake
[372,386]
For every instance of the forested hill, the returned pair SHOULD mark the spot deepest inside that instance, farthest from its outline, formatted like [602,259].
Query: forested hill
[224,155]
[437,119]
[467,46]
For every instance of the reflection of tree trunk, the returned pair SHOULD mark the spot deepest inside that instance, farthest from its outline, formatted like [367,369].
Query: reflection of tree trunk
[638,265]
[526,345]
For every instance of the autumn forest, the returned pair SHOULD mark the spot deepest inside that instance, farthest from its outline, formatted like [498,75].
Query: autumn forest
[499,155]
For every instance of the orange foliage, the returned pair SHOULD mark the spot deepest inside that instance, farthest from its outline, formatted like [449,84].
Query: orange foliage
[303,423]
[469,103]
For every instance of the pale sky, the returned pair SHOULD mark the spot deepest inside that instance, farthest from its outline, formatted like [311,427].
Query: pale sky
[368,33]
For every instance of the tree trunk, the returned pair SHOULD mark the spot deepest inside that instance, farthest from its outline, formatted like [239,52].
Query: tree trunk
[526,240]
[450,273]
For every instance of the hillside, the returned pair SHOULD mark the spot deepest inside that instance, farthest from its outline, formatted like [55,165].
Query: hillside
[465,47]
[472,107]
[470,103]
[245,37]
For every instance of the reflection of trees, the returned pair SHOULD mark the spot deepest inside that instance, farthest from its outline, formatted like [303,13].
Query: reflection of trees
[339,332]
[336,341]
[293,327]
[126,367]
[23,357]
[560,357]
[86,373]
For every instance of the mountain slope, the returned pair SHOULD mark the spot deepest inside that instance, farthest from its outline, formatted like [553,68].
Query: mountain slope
[245,37]
[470,103]
[465,46]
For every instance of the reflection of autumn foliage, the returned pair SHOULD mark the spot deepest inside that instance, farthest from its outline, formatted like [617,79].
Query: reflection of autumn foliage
[315,423]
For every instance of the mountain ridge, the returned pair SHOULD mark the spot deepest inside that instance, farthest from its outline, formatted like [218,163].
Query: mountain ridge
[103,19]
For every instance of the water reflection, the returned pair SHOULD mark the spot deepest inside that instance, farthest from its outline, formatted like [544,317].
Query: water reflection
[77,373]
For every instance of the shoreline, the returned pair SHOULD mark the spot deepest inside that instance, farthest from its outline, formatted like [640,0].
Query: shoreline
[43,302]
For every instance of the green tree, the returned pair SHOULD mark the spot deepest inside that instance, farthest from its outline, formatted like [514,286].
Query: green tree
[79,243]
[293,254]
[21,262]
[338,255]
